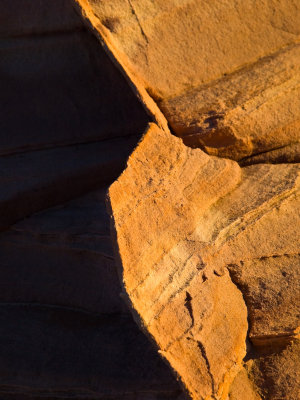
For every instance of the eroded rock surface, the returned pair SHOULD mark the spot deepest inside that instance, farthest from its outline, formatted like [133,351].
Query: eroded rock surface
[65,330]
[251,111]
[225,75]
[184,221]
[277,374]
[69,120]
[175,45]
[208,251]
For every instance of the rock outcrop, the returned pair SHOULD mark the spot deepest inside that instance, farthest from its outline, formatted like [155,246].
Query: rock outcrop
[200,241]
[224,74]
[69,121]
[65,330]
[250,111]
[60,94]
[205,225]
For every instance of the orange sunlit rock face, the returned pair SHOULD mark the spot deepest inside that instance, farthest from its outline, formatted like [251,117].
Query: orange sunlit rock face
[200,240]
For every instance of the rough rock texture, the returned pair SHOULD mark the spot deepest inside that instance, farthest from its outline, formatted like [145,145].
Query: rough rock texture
[271,287]
[243,388]
[68,121]
[251,111]
[278,375]
[208,252]
[175,45]
[224,74]
[192,230]
[287,154]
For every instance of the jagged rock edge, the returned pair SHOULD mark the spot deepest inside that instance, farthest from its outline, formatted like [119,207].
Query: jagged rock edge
[231,374]
[125,297]
[153,110]
[135,82]
[121,61]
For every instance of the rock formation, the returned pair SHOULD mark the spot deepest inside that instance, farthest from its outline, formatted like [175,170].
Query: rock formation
[64,329]
[225,74]
[202,101]
[201,241]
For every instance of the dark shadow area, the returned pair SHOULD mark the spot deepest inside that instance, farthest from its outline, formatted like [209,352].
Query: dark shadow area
[68,122]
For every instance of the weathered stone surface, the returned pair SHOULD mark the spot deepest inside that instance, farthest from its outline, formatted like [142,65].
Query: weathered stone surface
[175,45]
[209,252]
[243,388]
[226,76]
[156,203]
[252,111]
[62,314]
[39,179]
[278,375]
[181,218]
[62,353]
[287,154]
[271,288]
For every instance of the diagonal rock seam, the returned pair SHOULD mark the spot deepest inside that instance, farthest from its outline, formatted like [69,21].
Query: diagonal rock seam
[161,112]
[120,60]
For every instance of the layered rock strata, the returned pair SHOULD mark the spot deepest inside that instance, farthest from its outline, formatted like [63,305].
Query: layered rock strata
[65,330]
[208,252]
[199,239]
[225,75]
[69,120]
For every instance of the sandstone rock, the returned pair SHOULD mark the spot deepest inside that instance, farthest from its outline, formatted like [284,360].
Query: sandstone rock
[251,111]
[175,45]
[156,203]
[182,220]
[287,154]
[62,314]
[208,251]
[278,375]
[39,179]
[226,76]
[271,287]
[243,388]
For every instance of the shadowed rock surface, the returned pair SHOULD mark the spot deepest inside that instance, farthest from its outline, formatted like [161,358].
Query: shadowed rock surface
[35,180]
[65,330]
[65,353]
[69,120]
[58,89]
